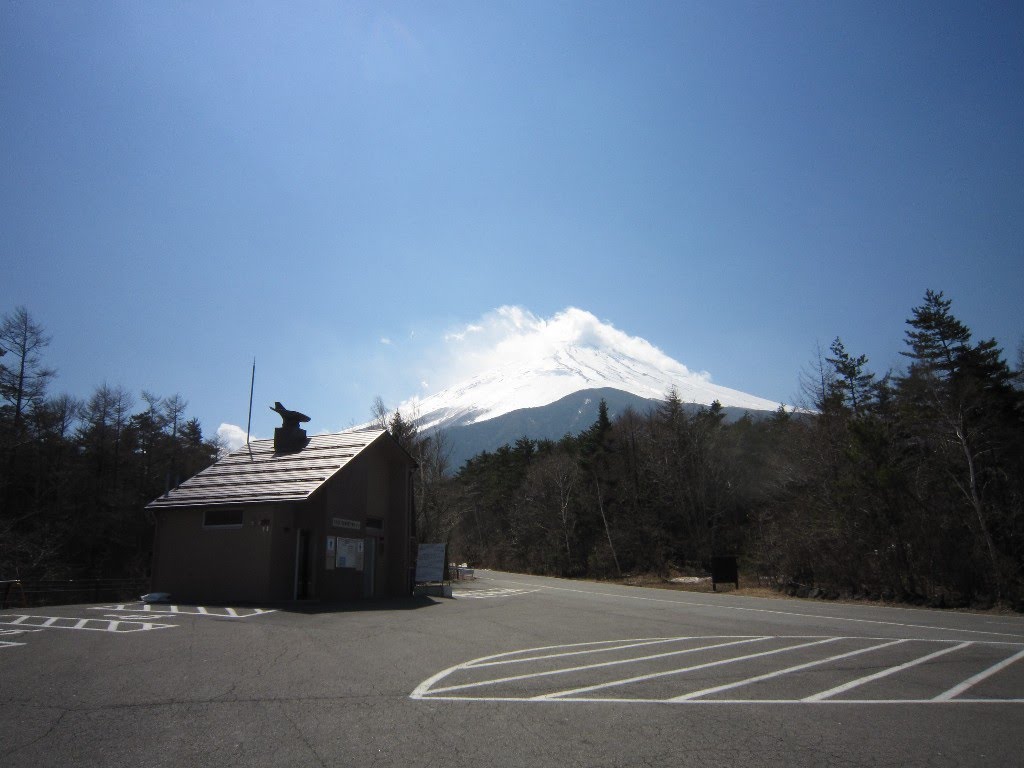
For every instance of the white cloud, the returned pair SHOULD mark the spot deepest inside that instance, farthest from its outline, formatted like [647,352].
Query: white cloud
[385,340]
[232,436]
[513,334]
[461,335]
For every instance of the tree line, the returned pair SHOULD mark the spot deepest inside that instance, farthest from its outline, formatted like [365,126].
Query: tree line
[907,485]
[75,474]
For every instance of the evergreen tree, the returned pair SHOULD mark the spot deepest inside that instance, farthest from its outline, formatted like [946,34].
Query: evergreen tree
[23,377]
[856,387]
[965,415]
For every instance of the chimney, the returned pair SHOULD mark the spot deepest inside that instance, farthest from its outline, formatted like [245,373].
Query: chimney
[289,437]
[289,440]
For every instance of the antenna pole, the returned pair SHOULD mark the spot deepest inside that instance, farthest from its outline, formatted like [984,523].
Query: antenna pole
[252,385]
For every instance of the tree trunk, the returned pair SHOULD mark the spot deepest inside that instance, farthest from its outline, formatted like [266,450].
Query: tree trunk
[607,530]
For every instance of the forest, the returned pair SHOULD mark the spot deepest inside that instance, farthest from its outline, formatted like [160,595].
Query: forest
[76,474]
[904,485]
[900,485]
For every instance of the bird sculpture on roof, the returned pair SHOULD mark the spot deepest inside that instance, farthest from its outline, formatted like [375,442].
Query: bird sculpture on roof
[289,419]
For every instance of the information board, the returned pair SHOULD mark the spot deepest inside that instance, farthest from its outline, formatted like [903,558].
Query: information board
[430,562]
[349,553]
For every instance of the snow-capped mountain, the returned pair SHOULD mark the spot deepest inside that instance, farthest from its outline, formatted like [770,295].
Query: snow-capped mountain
[570,368]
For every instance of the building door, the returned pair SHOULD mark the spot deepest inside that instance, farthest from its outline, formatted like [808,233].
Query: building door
[302,565]
[370,566]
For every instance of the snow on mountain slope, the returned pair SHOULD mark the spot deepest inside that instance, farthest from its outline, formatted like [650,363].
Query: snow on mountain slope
[572,352]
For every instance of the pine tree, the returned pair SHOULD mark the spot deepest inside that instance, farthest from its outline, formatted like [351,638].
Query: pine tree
[936,338]
[964,412]
[595,459]
[856,387]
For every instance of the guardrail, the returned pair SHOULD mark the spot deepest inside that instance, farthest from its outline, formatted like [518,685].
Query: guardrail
[30,592]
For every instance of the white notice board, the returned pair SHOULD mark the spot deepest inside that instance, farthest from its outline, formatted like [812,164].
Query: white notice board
[349,553]
[430,562]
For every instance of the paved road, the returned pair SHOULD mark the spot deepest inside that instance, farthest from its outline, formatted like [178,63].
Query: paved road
[514,671]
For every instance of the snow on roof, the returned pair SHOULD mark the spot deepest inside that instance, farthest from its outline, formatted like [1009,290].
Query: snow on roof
[257,474]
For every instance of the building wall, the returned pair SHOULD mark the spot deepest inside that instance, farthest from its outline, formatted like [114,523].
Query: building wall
[257,562]
[374,486]
[195,562]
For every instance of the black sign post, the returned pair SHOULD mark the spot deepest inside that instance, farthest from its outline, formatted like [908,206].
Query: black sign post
[725,571]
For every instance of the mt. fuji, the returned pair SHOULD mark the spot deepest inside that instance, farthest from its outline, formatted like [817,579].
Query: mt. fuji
[532,362]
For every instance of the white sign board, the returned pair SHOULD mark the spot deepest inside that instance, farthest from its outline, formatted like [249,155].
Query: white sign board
[430,562]
[349,553]
[341,522]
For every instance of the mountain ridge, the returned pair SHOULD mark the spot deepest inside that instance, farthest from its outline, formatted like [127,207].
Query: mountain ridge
[570,368]
[569,415]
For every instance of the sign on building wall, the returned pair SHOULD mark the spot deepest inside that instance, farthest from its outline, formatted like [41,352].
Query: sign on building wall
[349,553]
[341,522]
[430,562]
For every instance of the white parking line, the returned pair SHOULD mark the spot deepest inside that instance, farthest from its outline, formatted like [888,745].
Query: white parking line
[780,672]
[706,665]
[522,659]
[970,682]
[482,594]
[884,673]
[547,658]
[8,632]
[93,625]
[598,665]
[185,610]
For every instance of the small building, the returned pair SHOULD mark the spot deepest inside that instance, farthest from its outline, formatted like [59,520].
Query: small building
[329,517]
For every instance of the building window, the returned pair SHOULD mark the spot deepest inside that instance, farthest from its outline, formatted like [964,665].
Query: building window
[222,518]
[375,522]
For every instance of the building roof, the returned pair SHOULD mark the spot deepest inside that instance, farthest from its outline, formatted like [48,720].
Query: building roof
[258,474]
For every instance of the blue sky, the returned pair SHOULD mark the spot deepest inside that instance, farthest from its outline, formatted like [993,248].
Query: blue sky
[186,185]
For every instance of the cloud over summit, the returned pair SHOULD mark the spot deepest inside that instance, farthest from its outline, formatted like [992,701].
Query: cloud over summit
[511,335]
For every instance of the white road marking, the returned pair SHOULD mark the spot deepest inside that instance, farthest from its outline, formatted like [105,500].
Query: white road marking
[706,702]
[426,689]
[780,672]
[185,610]
[520,660]
[956,690]
[482,594]
[884,673]
[706,665]
[767,610]
[93,625]
[617,662]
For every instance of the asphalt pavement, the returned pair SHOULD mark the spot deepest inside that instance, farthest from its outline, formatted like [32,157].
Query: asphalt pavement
[512,671]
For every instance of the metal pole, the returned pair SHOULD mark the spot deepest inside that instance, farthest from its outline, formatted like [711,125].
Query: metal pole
[248,424]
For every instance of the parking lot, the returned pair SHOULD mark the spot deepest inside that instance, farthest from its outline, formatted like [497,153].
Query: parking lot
[513,670]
